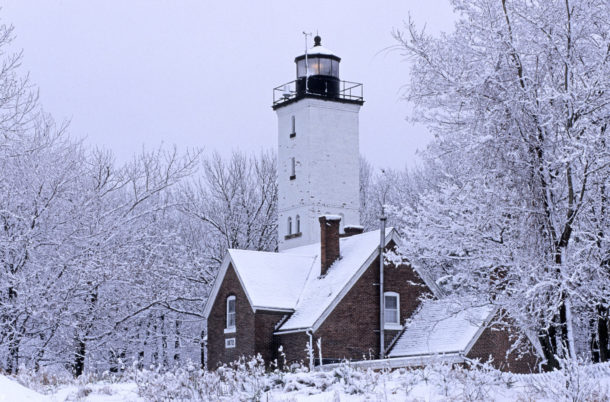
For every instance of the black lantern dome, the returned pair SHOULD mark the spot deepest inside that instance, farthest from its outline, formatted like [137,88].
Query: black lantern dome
[317,77]
[318,71]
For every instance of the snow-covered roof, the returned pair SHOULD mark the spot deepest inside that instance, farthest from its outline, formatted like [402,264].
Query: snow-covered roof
[319,50]
[320,292]
[330,217]
[290,280]
[272,280]
[442,327]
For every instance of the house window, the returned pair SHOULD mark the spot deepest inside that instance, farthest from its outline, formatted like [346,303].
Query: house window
[289,227]
[293,129]
[229,343]
[391,310]
[230,314]
[293,170]
[298,224]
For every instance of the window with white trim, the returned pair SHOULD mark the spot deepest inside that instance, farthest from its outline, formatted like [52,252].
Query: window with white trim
[391,312]
[229,343]
[298,224]
[230,314]
[289,226]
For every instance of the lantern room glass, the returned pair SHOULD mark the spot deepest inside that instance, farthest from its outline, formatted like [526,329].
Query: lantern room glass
[318,66]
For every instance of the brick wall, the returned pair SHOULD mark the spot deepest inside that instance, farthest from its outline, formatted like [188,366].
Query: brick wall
[351,331]
[494,342]
[244,322]
[265,343]
[408,284]
[293,346]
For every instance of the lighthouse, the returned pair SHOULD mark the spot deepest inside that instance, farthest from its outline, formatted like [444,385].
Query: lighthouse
[318,148]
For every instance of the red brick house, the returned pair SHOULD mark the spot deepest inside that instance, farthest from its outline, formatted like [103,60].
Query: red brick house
[329,291]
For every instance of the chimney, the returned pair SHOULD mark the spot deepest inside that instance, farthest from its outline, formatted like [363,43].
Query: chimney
[350,230]
[329,241]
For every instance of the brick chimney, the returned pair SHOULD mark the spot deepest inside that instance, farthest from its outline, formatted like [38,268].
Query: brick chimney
[329,241]
[351,230]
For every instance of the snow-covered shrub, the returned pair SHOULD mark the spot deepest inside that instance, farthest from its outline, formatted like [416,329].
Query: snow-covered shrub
[354,380]
[576,381]
[477,381]
[249,380]
[44,380]
[83,392]
[242,379]
[407,380]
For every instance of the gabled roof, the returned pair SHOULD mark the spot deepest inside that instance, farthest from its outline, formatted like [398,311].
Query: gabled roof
[442,327]
[271,281]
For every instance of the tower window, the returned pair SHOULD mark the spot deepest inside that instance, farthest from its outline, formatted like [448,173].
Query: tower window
[293,174]
[293,129]
[290,233]
[230,314]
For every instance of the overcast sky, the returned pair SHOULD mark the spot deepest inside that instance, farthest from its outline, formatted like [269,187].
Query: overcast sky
[136,73]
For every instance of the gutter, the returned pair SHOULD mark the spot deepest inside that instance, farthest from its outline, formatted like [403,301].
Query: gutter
[397,362]
[292,331]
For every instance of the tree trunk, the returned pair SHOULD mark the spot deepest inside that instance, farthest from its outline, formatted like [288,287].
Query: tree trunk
[549,348]
[603,325]
[79,358]
[13,352]
[155,354]
[563,329]
[164,341]
[177,343]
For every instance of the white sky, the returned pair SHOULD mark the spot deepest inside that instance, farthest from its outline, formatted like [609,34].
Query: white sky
[136,73]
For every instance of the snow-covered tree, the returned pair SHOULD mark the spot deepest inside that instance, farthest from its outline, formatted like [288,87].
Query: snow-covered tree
[518,99]
[394,189]
[236,200]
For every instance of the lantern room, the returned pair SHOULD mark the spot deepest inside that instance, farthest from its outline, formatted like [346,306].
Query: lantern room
[317,77]
[318,71]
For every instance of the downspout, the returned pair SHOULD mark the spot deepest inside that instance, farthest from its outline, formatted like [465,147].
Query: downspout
[310,348]
[382,219]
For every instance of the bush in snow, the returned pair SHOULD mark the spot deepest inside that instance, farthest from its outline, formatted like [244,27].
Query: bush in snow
[43,380]
[242,379]
[576,381]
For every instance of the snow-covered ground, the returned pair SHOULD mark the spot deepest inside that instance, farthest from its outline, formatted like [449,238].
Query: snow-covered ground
[12,391]
[247,381]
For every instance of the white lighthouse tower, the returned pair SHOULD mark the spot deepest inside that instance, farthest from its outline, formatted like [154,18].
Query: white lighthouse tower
[318,155]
